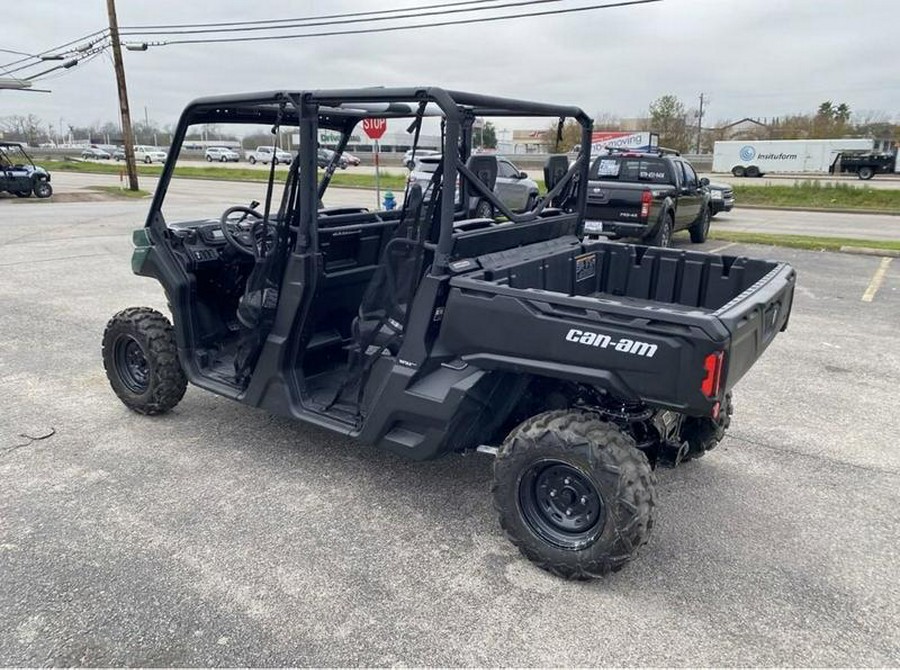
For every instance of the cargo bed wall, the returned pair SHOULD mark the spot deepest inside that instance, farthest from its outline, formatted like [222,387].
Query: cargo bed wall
[685,278]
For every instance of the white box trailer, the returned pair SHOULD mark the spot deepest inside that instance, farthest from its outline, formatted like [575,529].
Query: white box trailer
[751,158]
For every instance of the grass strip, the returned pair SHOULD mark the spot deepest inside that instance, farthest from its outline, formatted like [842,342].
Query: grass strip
[811,242]
[815,195]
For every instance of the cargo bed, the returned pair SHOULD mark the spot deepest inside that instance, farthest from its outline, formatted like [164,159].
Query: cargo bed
[647,317]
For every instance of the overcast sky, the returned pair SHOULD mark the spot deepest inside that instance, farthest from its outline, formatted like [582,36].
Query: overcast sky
[756,58]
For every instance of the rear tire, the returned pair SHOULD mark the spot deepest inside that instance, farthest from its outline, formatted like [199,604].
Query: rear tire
[141,361]
[484,210]
[148,160]
[252,160]
[209,159]
[738,171]
[753,172]
[574,494]
[700,229]
[865,173]
[663,235]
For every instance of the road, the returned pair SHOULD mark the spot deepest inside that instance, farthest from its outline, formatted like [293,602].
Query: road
[535,171]
[221,535]
[187,194]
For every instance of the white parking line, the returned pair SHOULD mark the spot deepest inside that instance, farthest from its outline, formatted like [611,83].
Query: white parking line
[877,280]
[722,248]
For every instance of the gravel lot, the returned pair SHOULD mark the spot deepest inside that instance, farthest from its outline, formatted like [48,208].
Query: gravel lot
[221,535]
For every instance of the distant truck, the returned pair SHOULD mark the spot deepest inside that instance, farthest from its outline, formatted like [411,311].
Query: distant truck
[866,165]
[750,158]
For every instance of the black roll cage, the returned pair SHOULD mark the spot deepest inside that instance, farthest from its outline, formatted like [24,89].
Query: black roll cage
[341,110]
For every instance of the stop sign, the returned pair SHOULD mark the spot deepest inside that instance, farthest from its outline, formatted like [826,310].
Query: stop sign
[374,128]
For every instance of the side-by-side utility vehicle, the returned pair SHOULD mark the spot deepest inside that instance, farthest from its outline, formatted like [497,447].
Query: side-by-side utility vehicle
[581,365]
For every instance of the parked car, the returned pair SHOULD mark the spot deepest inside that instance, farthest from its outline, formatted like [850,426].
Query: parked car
[142,154]
[266,155]
[420,153]
[325,156]
[513,187]
[222,154]
[19,175]
[95,153]
[721,198]
[646,195]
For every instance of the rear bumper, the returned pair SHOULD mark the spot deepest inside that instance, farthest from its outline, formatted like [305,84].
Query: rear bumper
[616,228]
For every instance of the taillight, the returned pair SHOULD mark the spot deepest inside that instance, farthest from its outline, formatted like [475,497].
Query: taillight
[646,199]
[712,364]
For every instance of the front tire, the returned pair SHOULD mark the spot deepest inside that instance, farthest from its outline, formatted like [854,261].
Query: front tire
[738,171]
[43,189]
[574,494]
[700,229]
[209,159]
[148,160]
[141,361]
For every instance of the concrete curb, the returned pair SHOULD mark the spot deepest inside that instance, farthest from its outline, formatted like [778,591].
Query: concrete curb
[869,251]
[835,210]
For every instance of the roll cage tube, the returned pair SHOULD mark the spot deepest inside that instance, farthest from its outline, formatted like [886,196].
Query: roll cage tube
[341,110]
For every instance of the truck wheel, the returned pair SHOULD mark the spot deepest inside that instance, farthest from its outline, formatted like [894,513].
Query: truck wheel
[574,494]
[141,361]
[700,229]
[209,159]
[753,172]
[865,173]
[484,210]
[43,189]
[737,171]
[663,235]
[252,160]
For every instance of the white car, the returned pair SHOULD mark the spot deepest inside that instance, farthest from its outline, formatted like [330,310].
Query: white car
[148,154]
[266,154]
[221,154]
[420,153]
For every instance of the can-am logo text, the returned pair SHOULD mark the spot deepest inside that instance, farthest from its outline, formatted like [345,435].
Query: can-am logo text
[626,346]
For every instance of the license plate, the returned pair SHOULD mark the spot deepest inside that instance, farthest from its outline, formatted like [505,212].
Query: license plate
[593,226]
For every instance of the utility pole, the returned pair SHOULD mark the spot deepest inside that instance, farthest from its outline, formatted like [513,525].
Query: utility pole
[127,134]
[699,122]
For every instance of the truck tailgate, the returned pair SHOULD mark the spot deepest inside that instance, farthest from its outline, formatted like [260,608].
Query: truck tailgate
[610,201]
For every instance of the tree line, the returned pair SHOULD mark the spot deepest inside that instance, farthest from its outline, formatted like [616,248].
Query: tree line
[677,126]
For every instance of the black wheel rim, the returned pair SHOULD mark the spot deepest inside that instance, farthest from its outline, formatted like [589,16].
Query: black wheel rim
[561,505]
[666,233]
[131,364]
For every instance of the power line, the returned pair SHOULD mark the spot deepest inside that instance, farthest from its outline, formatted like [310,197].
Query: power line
[387,29]
[18,53]
[309,18]
[311,23]
[6,66]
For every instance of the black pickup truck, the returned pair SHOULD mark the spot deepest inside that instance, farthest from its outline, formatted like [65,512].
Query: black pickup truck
[866,165]
[647,196]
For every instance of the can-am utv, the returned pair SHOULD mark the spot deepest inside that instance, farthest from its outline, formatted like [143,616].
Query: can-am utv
[19,175]
[582,365]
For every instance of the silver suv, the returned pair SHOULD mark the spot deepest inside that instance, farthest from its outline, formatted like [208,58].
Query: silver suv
[514,188]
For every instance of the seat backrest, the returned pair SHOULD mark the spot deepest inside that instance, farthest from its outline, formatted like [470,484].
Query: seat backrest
[555,169]
[485,168]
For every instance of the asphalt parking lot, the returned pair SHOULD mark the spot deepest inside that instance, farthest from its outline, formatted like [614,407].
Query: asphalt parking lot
[221,535]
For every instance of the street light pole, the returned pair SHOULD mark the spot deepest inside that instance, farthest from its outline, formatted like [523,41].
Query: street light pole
[127,134]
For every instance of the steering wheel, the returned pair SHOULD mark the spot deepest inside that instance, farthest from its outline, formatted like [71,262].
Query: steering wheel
[242,234]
